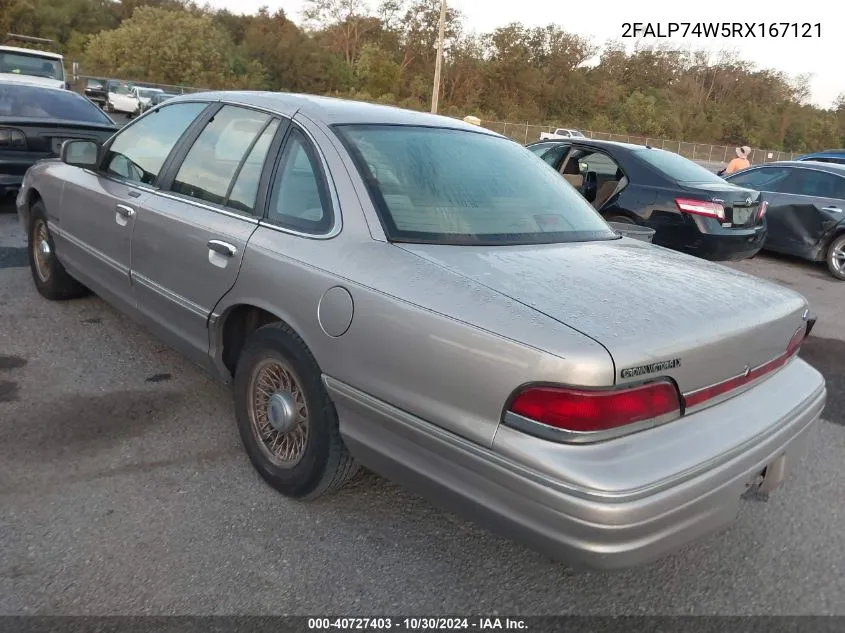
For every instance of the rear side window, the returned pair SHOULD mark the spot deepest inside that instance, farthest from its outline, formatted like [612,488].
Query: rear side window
[216,156]
[245,187]
[19,100]
[810,182]
[139,151]
[763,179]
[299,198]
[677,167]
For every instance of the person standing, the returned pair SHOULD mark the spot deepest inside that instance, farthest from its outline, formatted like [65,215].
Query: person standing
[741,161]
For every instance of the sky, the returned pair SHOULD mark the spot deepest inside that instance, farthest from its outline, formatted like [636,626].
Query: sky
[602,21]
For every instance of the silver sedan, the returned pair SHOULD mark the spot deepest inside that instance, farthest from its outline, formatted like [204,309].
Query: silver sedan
[431,300]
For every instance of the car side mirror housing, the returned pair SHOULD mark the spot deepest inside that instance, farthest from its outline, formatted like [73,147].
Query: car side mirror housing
[80,153]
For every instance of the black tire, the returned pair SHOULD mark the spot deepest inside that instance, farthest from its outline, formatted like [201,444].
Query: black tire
[834,257]
[51,279]
[109,107]
[325,464]
[621,219]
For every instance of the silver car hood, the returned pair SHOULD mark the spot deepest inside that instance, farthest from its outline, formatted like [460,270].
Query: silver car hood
[645,304]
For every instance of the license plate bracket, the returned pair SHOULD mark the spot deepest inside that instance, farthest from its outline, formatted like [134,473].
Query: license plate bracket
[742,215]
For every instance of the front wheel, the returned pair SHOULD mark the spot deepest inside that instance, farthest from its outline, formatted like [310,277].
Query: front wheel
[51,279]
[287,422]
[619,219]
[836,257]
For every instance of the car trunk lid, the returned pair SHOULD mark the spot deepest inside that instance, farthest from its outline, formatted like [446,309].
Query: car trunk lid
[657,312]
[741,205]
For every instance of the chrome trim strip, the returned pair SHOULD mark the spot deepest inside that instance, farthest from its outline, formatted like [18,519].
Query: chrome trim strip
[171,296]
[207,207]
[810,408]
[91,251]
[736,391]
[562,436]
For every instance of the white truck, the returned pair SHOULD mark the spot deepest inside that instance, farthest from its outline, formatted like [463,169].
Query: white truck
[29,65]
[561,132]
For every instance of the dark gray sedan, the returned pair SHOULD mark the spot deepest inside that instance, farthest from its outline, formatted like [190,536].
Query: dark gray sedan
[806,212]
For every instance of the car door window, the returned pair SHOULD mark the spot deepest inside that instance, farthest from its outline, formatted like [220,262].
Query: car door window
[763,179]
[245,188]
[810,182]
[138,152]
[299,198]
[213,160]
[556,154]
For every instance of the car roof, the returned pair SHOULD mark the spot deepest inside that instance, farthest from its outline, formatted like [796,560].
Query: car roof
[30,51]
[631,147]
[31,84]
[330,110]
[833,168]
[826,152]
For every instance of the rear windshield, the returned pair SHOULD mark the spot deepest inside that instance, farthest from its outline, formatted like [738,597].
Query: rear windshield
[18,100]
[459,187]
[33,65]
[677,167]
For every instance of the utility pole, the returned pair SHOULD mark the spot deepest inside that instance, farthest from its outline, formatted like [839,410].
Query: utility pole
[435,93]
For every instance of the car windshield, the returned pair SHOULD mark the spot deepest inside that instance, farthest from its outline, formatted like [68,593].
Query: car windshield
[147,93]
[32,65]
[119,89]
[19,100]
[448,186]
[677,167]
[578,134]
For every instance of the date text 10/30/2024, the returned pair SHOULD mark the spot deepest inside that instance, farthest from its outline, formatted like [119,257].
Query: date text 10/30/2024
[722,29]
[417,624]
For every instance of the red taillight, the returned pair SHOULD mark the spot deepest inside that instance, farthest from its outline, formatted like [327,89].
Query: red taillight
[761,211]
[701,207]
[585,411]
[708,393]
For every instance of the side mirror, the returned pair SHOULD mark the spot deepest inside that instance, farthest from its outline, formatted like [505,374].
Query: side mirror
[80,153]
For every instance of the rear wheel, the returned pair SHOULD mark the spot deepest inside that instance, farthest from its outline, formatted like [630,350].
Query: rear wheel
[619,219]
[51,279]
[836,257]
[287,422]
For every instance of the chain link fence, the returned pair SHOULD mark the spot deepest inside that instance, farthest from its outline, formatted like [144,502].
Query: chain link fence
[701,152]
[526,132]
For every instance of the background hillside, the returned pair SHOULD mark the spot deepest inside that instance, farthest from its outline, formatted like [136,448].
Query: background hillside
[386,53]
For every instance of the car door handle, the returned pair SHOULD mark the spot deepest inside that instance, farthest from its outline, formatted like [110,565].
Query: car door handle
[224,248]
[833,209]
[126,212]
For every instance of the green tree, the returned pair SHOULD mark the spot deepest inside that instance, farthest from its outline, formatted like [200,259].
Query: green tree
[191,50]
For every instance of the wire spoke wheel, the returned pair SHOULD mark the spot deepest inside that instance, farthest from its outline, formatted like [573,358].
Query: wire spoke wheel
[41,252]
[278,412]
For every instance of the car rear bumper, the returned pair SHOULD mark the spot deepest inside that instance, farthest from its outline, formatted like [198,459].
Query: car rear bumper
[10,184]
[582,521]
[707,239]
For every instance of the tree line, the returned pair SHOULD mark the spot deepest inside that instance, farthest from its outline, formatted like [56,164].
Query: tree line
[386,53]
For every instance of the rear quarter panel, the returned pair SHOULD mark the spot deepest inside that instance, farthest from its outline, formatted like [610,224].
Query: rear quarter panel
[421,338]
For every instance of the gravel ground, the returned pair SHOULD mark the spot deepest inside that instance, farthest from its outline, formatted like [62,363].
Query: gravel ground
[124,490]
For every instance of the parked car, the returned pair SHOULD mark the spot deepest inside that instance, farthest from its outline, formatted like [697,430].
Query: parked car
[36,120]
[154,100]
[827,156]
[690,208]
[96,91]
[120,97]
[806,209]
[39,67]
[561,132]
[421,296]
[143,97]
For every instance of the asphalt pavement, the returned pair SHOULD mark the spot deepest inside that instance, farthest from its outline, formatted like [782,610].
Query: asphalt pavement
[124,490]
